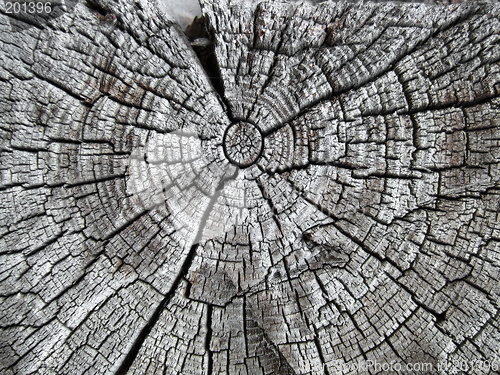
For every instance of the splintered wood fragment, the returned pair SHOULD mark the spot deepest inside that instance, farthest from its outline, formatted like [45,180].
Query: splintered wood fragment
[297,188]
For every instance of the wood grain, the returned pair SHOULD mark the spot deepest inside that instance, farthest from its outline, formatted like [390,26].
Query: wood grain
[319,192]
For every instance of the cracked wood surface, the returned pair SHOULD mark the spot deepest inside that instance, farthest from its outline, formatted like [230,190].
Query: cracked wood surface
[330,196]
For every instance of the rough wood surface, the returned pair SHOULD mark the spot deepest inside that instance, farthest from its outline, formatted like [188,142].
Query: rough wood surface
[328,197]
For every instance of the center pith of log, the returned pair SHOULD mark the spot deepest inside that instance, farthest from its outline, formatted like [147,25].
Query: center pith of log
[243,144]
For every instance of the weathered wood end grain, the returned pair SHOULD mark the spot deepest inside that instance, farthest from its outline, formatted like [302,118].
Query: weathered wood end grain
[327,194]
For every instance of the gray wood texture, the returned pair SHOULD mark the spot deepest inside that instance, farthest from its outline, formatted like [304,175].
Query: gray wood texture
[323,191]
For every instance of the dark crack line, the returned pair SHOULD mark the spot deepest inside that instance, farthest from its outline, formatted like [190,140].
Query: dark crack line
[208,339]
[390,67]
[146,330]
[207,60]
